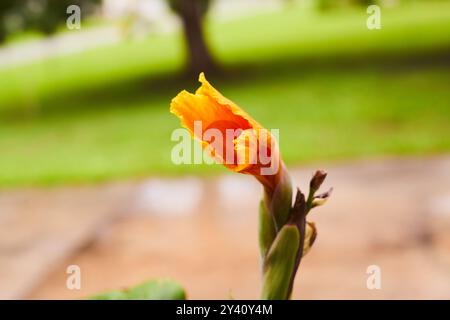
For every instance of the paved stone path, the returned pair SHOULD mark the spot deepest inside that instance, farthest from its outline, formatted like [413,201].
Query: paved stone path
[393,213]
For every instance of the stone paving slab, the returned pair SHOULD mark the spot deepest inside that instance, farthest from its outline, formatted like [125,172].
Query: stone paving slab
[39,228]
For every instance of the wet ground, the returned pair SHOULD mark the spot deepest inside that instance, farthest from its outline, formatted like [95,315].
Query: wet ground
[393,213]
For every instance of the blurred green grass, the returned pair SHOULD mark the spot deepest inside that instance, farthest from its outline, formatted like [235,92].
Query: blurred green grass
[334,89]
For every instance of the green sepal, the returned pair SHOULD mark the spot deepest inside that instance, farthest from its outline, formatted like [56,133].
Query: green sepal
[280,263]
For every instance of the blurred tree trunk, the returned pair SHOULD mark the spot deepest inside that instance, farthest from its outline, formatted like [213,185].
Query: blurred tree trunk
[191,13]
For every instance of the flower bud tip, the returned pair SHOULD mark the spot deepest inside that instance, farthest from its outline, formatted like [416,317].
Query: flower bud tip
[317,180]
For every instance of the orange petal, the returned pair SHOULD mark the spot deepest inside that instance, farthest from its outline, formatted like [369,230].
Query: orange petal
[214,111]
[211,108]
[208,90]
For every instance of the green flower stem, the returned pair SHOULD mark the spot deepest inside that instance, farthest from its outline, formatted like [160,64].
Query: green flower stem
[284,234]
[278,200]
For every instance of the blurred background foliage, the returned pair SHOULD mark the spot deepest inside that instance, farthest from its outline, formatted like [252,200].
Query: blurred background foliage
[38,15]
[335,89]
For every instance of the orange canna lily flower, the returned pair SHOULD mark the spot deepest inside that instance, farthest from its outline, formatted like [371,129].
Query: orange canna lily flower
[236,140]
[252,150]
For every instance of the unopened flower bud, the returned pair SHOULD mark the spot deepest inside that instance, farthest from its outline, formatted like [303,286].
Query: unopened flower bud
[317,180]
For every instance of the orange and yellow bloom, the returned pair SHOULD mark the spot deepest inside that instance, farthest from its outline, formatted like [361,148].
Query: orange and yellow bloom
[248,143]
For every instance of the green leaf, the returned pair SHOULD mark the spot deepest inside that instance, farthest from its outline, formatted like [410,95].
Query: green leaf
[110,295]
[266,230]
[156,289]
[280,263]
